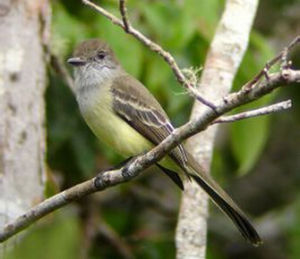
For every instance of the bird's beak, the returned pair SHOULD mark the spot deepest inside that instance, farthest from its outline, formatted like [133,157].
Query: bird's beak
[76,61]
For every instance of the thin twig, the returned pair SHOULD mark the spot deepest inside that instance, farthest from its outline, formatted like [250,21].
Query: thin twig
[135,166]
[282,56]
[116,241]
[61,69]
[94,225]
[123,11]
[277,107]
[156,48]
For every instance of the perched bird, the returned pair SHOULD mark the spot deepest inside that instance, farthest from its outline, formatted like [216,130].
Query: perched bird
[124,114]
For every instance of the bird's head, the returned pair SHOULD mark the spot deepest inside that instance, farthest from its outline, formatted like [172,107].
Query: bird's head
[94,62]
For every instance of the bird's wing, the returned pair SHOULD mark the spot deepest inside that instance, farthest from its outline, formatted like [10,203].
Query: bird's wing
[140,110]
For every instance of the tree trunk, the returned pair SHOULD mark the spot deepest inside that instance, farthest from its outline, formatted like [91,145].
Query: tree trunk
[22,107]
[223,59]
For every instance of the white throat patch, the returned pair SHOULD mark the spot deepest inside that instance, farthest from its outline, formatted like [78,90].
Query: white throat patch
[90,76]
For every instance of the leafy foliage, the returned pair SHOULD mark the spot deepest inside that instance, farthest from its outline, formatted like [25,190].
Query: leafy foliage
[185,28]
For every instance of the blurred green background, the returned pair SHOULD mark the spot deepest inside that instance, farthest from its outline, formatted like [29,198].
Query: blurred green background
[257,160]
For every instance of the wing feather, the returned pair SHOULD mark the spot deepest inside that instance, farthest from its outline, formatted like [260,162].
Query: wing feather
[141,111]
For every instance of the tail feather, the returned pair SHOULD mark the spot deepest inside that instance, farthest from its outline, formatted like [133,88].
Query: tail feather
[221,199]
[234,213]
[173,176]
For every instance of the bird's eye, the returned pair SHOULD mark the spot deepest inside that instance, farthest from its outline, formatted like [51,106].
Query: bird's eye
[101,55]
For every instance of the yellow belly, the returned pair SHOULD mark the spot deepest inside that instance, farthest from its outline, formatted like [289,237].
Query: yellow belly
[114,131]
[111,129]
[118,134]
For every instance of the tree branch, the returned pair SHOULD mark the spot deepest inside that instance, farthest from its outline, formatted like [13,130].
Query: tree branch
[282,56]
[152,46]
[62,71]
[123,12]
[136,165]
[223,59]
[277,107]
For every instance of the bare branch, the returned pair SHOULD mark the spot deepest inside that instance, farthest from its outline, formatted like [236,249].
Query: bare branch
[116,241]
[135,166]
[282,56]
[154,47]
[123,11]
[61,70]
[277,107]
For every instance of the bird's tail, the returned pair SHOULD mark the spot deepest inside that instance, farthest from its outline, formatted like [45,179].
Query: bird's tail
[221,199]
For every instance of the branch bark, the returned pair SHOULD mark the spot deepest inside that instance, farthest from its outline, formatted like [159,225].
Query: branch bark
[135,166]
[277,107]
[124,24]
[22,86]
[108,179]
[223,59]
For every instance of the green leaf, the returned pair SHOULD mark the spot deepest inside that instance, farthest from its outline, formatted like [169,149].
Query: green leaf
[248,140]
[205,15]
[248,137]
[157,74]
[158,18]
[169,23]
[183,30]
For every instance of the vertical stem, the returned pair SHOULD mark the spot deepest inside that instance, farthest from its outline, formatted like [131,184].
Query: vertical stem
[22,113]
[223,59]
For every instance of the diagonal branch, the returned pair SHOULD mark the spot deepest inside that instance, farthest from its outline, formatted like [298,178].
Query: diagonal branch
[152,46]
[134,167]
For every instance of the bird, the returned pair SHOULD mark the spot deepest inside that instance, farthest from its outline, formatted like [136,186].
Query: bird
[123,114]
